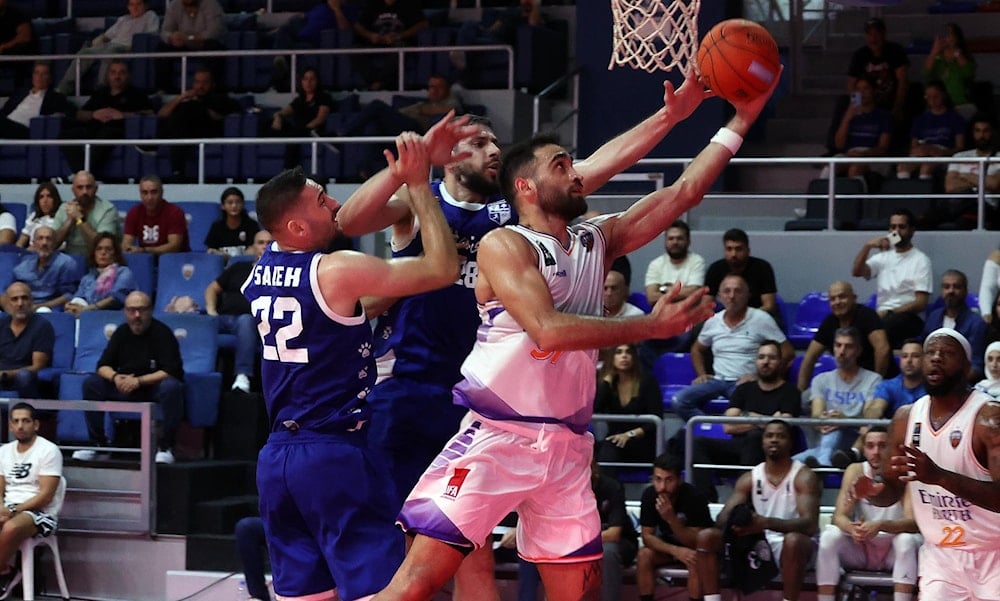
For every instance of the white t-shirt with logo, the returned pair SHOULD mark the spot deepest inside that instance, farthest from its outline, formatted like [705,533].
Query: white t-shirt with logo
[22,471]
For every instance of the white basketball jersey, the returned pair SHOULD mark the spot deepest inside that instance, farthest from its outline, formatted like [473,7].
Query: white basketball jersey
[946,519]
[775,501]
[870,512]
[507,377]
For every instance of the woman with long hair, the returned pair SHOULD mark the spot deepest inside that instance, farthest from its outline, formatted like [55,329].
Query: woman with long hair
[949,61]
[232,234]
[43,212]
[304,116]
[107,281]
[623,388]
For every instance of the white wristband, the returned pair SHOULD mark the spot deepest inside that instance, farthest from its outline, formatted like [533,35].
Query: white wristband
[728,138]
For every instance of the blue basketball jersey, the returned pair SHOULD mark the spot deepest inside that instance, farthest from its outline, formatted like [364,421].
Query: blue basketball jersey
[426,337]
[317,366]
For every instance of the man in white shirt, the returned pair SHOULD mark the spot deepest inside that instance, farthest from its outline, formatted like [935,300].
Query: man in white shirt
[678,264]
[904,277]
[963,178]
[31,468]
[23,106]
[616,297]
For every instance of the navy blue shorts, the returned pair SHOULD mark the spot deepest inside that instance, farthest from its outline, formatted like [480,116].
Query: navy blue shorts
[329,510]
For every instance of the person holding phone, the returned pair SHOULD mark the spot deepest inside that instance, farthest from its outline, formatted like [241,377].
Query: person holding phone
[904,277]
[864,131]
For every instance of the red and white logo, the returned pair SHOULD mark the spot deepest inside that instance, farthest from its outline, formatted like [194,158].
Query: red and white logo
[455,482]
[955,437]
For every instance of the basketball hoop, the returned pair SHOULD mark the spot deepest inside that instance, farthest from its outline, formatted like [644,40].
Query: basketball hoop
[654,35]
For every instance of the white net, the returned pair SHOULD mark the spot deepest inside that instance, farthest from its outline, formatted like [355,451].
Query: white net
[654,35]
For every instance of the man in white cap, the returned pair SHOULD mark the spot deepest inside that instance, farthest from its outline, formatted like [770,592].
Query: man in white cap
[946,446]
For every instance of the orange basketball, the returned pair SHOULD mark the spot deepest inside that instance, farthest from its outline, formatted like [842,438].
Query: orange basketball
[738,60]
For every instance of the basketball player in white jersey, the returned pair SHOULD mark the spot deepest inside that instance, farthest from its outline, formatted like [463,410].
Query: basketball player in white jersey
[862,536]
[946,449]
[529,381]
[785,496]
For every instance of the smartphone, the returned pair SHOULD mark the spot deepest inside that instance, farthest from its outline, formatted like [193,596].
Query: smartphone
[893,238]
[856,98]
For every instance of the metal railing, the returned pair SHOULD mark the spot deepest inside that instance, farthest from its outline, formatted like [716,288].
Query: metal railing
[571,79]
[643,417]
[689,466]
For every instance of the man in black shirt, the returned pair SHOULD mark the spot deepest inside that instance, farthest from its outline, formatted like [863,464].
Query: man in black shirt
[758,273]
[224,298]
[769,395]
[672,514]
[103,117]
[142,362]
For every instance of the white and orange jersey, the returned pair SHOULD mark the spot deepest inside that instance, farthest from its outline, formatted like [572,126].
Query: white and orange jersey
[873,513]
[946,519]
[510,380]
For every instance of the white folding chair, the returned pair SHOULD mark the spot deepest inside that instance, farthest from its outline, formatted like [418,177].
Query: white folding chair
[27,575]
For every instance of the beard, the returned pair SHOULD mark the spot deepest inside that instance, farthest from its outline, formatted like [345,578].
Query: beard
[476,182]
[984,145]
[948,384]
[677,255]
[770,378]
[564,205]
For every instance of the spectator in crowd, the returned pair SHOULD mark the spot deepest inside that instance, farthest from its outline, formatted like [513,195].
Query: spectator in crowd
[951,62]
[783,496]
[304,116]
[108,280]
[677,264]
[756,272]
[616,297]
[733,336]
[139,18]
[196,113]
[224,298]
[769,395]
[8,227]
[155,225]
[841,393]
[78,221]
[964,177]
[956,314]
[193,25]
[103,116]
[304,30]
[16,37]
[43,210]
[890,395]
[385,24]
[904,389]
[32,471]
[886,66]
[903,274]
[989,285]
[938,132]
[991,383]
[26,342]
[864,131]
[671,516]
[625,389]
[232,235]
[142,362]
[51,274]
[876,355]
[993,329]
[32,101]
[496,27]
[862,536]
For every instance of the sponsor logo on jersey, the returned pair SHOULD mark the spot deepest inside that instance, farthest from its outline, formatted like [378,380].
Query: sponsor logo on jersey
[955,437]
[499,212]
[455,482]
[915,437]
[587,240]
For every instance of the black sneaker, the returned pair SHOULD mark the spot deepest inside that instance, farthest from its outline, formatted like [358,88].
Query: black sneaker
[10,580]
[842,459]
[811,462]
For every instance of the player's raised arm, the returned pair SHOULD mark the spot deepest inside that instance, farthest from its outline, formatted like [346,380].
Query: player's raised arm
[647,218]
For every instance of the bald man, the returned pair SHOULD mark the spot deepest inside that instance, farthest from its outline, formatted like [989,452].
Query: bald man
[142,362]
[26,342]
[846,312]
[78,221]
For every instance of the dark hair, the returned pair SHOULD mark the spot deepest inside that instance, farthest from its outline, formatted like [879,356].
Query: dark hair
[152,177]
[479,120]
[956,31]
[26,407]
[958,274]
[277,196]
[232,191]
[849,332]
[912,341]
[92,249]
[939,85]
[736,235]
[669,463]
[881,429]
[57,200]
[780,422]
[681,225]
[319,82]
[910,219]
[518,159]
[771,342]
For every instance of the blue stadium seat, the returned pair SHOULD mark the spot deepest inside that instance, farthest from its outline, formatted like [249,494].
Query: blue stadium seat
[7,262]
[826,362]
[143,266]
[20,212]
[639,300]
[710,430]
[673,371]
[200,217]
[64,325]
[197,336]
[813,308]
[185,274]
[94,330]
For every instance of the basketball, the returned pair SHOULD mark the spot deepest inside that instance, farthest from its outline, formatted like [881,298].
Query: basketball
[738,60]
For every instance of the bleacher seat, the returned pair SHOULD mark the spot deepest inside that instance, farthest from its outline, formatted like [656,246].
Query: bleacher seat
[825,362]
[197,336]
[182,274]
[143,267]
[912,194]
[639,300]
[7,262]
[94,330]
[710,430]
[846,211]
[20,212]
[200,217]
[64,325]
[813,308]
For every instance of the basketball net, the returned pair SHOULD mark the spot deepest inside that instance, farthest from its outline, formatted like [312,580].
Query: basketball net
[655,35]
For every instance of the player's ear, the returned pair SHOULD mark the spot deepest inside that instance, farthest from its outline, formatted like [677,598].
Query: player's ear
[296,227]
[523,185]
